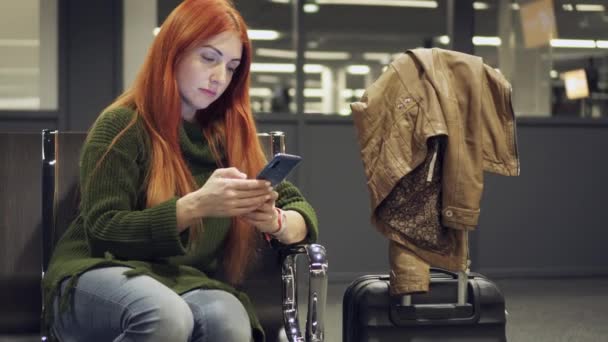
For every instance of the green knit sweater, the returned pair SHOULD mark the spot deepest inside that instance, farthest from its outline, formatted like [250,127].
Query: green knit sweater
[114,228]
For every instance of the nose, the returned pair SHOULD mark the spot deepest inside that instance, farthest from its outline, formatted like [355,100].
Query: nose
[219,74]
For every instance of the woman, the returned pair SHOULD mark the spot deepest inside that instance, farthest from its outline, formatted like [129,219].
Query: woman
[169,217]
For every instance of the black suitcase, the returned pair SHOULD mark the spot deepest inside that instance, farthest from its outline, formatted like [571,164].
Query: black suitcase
[370,314]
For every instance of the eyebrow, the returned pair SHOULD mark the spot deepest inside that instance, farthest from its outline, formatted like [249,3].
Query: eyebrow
[220,52]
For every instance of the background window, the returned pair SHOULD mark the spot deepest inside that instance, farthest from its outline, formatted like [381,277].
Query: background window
[28,55]
[348,44]
[273,64]
[541,68]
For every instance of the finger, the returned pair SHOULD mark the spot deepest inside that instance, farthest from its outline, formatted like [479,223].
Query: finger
[267,207]
[267,210]
[273,198]
[230,172]
[241,211]
[248,184]
[252,203]
[259,217]
[253,193]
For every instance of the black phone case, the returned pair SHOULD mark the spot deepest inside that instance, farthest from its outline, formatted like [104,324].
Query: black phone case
[279,168]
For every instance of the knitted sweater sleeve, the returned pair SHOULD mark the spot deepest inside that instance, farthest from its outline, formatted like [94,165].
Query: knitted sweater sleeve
[114,222]
[290,198]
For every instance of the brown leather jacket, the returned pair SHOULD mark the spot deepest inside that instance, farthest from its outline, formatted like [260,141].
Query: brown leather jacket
[432,93]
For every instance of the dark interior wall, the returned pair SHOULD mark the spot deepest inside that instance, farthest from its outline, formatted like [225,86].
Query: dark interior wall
[94,59]
[550,221]
[337,189]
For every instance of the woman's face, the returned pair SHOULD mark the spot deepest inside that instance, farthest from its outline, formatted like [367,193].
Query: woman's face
[204,73]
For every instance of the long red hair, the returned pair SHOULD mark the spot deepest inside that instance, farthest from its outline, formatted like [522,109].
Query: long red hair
[227,124]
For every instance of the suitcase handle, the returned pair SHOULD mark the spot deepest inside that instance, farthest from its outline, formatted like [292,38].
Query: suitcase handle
[463,279]
[454,275]
[405,313]
[420,313]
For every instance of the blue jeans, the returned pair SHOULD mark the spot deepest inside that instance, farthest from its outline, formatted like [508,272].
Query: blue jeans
[108,306]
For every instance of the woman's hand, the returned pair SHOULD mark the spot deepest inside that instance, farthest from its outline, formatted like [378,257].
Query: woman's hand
[226,193]
[264,218]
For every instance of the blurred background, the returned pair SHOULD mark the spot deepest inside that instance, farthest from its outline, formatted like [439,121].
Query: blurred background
[342,46]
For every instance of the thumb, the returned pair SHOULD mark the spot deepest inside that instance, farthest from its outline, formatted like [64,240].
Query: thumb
[230,172]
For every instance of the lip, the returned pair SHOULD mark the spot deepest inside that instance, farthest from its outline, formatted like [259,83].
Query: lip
[208,92]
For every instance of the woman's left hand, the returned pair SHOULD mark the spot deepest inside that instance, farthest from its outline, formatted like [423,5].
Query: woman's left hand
[265,218]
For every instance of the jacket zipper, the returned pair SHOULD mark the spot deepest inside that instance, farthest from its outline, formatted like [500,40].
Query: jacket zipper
[429,177]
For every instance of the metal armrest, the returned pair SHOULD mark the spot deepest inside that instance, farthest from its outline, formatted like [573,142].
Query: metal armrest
[317,291]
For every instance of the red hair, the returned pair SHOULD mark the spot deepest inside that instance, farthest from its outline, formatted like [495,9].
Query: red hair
[227,123]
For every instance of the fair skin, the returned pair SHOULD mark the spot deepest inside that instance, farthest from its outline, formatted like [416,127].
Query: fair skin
[203,74]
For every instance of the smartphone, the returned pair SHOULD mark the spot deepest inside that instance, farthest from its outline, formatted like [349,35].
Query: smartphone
[279,168]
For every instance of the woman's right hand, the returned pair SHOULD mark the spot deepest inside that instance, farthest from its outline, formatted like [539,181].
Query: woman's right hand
[226,193]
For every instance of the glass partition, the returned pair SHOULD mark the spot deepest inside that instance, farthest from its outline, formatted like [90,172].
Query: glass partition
[350,42]
[273,67]
[28,55]
[554,52]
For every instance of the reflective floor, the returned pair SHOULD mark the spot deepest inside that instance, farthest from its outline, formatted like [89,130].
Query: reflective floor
[539,310]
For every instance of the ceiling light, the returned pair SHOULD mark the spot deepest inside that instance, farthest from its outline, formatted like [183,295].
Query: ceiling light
[348,93]
[313,68]
[263,34]
[19,71]
[308,92]
[273,67]
[290,54]
[589,8]
[602,44]
[568,7]
[486,41]
[313,92]
[573,43]
[19,42]
[285,68]
[327,55]
[155,31]
[395,3]
[445,40]
[357,69]
[311,8]
[381,57]
[554,74]
[260,92]
[344,111]
[515,6]
[480,6]
[276,53]
[268,79]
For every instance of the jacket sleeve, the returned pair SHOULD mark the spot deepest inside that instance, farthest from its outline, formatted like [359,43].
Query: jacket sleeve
[110,192]
[290,198]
